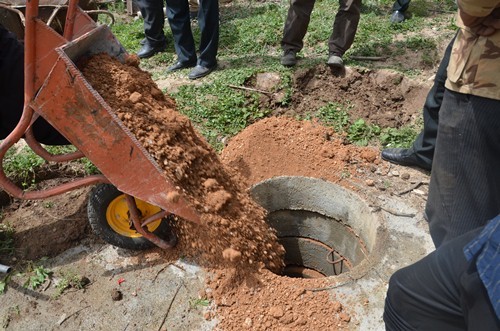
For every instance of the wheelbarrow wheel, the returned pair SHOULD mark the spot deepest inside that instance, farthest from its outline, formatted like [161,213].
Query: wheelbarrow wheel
[109,218]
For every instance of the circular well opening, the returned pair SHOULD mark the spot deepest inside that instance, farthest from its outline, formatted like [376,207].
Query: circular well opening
[325,229]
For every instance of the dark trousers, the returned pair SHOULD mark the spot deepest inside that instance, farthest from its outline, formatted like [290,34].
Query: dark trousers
[440,292]
[464,189]
[154,20]
[401,5]
[208,22]
[345,25]
[12,92]
[425,143]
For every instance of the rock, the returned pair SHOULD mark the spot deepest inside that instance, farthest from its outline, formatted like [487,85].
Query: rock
[231,254]
[405,176]
[135,97]
[116,295]
[370,182]
[276,312]
[419,192]
[344,317]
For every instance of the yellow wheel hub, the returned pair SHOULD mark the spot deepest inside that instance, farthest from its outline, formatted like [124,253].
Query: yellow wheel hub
[117,215]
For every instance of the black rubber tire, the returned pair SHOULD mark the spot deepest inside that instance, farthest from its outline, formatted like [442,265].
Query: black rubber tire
[100,198]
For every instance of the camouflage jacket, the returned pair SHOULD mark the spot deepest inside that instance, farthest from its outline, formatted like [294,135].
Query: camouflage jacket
[475,60]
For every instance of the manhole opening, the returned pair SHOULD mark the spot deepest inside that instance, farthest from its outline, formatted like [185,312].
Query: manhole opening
[325,229]
[315,245]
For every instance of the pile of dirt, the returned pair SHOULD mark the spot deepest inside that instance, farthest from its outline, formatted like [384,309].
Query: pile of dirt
[233,226]
[289,147]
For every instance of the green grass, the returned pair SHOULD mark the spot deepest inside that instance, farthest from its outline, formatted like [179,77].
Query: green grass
[22,165]
[37,275]
[6,239]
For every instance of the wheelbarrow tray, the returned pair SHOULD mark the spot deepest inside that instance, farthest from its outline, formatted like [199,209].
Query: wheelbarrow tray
[70,104]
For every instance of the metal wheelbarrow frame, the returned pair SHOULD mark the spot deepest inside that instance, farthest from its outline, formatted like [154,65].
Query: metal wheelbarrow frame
[56,90]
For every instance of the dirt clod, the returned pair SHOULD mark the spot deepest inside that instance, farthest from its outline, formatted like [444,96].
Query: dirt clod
[116,295]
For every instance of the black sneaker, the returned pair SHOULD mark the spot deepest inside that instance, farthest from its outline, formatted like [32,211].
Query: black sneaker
[289,58]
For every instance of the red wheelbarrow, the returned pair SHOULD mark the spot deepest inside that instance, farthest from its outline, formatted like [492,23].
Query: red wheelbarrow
[125,210]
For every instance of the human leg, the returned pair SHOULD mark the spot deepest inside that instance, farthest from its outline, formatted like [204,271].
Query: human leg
[464,190]
[297,21]
[208,22]
[155,41]
[442,291]
[345,26]
[178,19]
[401,5]
[422,151]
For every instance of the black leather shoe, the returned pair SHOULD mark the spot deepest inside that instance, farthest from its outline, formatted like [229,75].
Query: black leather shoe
[147,50]
[180,65]
[404,157]
[200,71]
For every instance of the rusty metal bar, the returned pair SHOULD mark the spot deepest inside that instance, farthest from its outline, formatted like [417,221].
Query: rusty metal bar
[70,20]
[136,219]
[154,217]
[43,153]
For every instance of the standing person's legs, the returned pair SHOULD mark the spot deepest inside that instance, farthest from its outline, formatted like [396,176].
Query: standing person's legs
[345,26]
[154,20]
[297,21]
[208,21]
[424,145]
[178,18]
[464,190]
[443,291]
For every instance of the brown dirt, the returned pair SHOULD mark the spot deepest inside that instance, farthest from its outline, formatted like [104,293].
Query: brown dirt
[234,219]
[380,97]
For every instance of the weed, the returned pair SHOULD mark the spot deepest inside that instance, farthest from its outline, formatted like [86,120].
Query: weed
[37,275]
[334,115]
[22,165]
[6,239]
[404,137]
[69,279]
[195,303]
[360,133]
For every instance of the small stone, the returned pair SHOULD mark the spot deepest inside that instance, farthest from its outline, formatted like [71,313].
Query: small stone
[276,312]
[248,322]
[370,182]
[419,192]
[337,306]
[135,97]
[395,173]
[116,295]
[173,196]
[344,317]
[405,176]
[231,254]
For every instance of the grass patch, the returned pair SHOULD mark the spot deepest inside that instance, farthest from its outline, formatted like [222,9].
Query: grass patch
[6,239]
